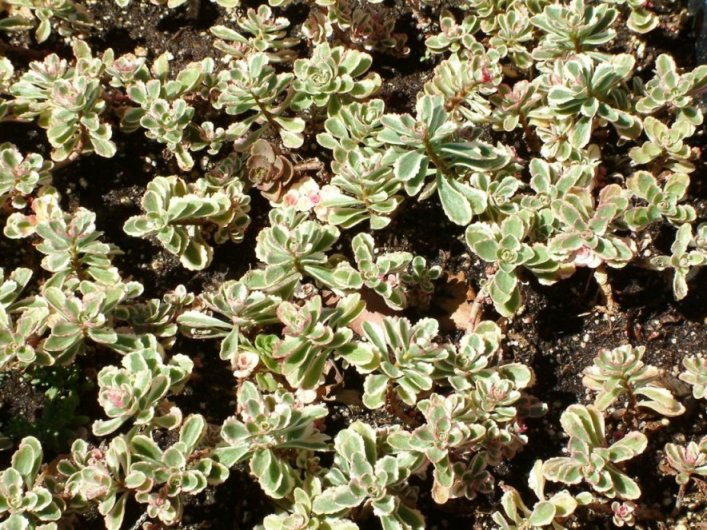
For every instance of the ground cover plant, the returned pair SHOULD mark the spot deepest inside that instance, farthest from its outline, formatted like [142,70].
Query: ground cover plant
[342,264]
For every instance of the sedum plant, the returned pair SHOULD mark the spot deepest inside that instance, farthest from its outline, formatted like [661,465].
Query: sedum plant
[96,475]
[82,318]
[229,313]
[174,214]
[465,84]
[165,108]
[22,320]
[662,202]
[620,372]
[26,502]
[353,128]
[68,102]
[589,93]
[687,460]
[70,242]
[695,375]
[362,190]
[363,474]
[382,273]
[428,146]
[683,261]
[134,391]
[253,87]
[673,91]
[666,147]
[260,32]
[264,429]
[573,28]
[331,76]
[591,458]
[505,247]
[312,334]
[546,513]
[162,477]
[294,246]
[447,436]
[453,37]
[585,238]
[301,512]
[21,175]
[398,356]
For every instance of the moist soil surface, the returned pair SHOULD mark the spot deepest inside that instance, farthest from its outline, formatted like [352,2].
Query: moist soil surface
[560,331]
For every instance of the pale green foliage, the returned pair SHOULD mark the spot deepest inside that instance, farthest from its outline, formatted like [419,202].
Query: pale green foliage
[363,189]
[573,28]
[252,84]
[163,476]
[260,32]
[65,15]
[665,148]
[382,273]
[265,428]
[588,92]
[230,312]
[687,460]
[504,246]
[363,474]
[139,387]
[512,105]
[372,29]
[683,261]
[294,246]
[453,36]
[26,503]
[585,238]
[156,316]
[311,336]
[332,76]
[545,513]
[70,242]
[641,19]
[591,458]
[428,146]
[20,176]
[83,317]
[513,37]
[20,319]
[465,84]
[175,213]
[447,437]
[621,372]
[695,375]
[401,357]
[673,90]
[301,514]
[97,475]
[662,202]
[68,102]
[354,128]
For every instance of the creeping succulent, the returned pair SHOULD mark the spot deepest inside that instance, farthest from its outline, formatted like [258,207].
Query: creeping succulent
[591,458]
[331,76]
[265,427]
[401,357]
[695,375]
[363,475]
[26,502]
[141,385]
[621,371]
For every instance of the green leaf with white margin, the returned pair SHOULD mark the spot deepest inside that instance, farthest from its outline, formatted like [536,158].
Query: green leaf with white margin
[454,203]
